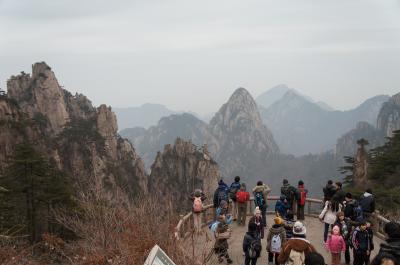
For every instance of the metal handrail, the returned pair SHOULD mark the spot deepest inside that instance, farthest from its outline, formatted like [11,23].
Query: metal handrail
[185,224]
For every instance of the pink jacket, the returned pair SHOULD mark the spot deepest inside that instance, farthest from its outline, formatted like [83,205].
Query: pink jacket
[335,244]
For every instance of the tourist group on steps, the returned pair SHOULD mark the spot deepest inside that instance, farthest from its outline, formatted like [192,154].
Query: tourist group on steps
[347,225]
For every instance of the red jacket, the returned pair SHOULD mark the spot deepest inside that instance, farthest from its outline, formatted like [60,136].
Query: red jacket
[242,196]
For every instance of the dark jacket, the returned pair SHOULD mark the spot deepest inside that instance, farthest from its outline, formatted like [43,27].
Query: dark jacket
[248,238]
[290,193]
[345,228]
[222,188]
[329,191]
[361,240]
[339,196]
[281,207]
[289,228]
[349,209]
[390,248]
[367,202]
[233,189]
[260,225]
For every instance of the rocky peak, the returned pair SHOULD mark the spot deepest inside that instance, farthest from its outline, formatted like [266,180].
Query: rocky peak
[240,133]
[40,95]
[106,121]
[180,169]
[389,116]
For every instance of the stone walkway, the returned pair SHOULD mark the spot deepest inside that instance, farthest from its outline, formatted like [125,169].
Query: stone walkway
[203,244]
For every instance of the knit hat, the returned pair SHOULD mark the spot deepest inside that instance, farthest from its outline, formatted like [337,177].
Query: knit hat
[299,229]
[257,210]
[278,220]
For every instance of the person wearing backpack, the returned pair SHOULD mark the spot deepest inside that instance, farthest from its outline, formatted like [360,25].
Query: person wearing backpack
[223,210]
[258,221]
[275,240]
[221,193]
[290,193]
[295,249]
[301,200]
[282,207]
[242,199]
[233,189]
[251,245]
[260,193]
[329,190]
[221,246]
[349,207]
[197,197]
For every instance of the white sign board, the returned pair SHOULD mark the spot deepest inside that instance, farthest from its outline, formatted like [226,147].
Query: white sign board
[158,257]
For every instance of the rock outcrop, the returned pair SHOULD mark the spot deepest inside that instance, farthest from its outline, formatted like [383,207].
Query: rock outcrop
[347,144]
[81,139]
[389,116]
[243,139]
[180,169]
[236,136]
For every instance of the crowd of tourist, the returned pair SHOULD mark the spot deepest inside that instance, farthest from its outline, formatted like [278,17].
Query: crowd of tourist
[347,225]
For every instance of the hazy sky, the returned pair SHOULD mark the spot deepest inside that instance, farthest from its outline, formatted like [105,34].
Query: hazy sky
[191,55]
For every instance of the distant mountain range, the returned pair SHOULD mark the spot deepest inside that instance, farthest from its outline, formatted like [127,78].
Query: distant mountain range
[300,126]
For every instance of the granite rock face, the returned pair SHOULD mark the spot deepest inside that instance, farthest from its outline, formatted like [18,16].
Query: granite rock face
[80,138]
[389,116]
[180,169]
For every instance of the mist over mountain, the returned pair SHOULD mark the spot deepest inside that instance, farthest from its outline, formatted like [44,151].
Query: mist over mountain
[144,116]
[302,127]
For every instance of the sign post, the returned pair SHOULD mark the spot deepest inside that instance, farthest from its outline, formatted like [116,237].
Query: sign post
[158,257]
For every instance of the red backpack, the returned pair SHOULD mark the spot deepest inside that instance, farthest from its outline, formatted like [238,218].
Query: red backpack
[197,205]
[303,196]
[242,196]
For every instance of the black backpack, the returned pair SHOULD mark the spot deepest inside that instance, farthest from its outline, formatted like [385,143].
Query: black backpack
[254,248]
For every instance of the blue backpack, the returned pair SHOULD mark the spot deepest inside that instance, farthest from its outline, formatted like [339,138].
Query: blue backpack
[259,199]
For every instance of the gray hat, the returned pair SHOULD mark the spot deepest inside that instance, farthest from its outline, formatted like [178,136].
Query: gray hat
[299,229]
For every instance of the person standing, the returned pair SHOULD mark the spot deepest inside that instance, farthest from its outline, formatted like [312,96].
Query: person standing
[301,200]
[197,197]
[282,207]
[242,199]
[329,215]
[258,221]
[290,193]
[233,189]
[335,245]
[367,203]
[361,244]
[275,240]
[251,245]
[220,194]
[329,190]
[261,192]
[297,248]
[345,231]
[221,246]
[391,248]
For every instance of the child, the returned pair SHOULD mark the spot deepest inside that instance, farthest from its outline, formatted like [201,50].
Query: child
[197,197]
[242,198]
[361,241]
[257,219]
[275,240]
[328,215]
[282,206]
[223,210]
[251,245]
[222,234]
[345,227]
[289,222]
[335,244]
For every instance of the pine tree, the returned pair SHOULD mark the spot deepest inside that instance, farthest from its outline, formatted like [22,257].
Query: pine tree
[34,187]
